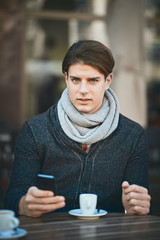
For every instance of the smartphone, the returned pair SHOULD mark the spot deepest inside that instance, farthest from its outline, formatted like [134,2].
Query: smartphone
[46,182]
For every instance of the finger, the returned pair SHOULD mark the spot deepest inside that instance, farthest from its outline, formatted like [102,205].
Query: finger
[136,188]
[138,196]
[125,184]
[44,208]
[34,214]
[44,200]
[35,192]
[139,203]
[139,210]
[50,200]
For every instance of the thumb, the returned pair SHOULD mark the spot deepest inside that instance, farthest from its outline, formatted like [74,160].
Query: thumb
[125,185]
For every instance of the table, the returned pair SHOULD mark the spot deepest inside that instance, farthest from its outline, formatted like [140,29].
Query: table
[62,226]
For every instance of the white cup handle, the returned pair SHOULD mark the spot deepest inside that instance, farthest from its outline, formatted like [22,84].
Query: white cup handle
[15,222]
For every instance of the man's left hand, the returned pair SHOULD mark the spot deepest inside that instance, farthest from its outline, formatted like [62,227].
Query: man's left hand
[136,199]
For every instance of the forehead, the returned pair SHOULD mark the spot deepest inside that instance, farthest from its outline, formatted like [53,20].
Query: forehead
[84,69]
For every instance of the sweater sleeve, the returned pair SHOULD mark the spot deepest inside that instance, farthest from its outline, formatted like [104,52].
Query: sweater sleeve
[25,168]
[137,167]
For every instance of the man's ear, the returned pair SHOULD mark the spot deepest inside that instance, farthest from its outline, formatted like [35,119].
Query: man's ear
[108,80]
[66,77]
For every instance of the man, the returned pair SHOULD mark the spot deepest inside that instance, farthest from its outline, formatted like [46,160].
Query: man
[84,142]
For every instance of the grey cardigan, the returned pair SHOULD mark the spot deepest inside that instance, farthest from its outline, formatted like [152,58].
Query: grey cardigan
[43,147]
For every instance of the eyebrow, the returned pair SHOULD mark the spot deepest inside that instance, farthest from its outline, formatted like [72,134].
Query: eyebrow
[87,78]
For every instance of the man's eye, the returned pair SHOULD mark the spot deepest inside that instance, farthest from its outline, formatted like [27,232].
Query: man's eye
[93,80]
[75,80]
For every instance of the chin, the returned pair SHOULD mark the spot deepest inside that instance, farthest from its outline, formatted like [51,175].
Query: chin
[85,111]
[82,109]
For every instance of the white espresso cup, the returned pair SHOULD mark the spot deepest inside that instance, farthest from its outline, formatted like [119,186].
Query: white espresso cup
[8,222]
[88,203]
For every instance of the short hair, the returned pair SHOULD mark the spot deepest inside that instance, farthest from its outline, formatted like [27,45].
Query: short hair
[89,52]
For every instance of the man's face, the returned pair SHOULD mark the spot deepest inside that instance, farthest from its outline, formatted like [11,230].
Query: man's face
[86,86]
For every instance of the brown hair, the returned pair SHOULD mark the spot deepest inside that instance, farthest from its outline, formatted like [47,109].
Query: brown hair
[92,53]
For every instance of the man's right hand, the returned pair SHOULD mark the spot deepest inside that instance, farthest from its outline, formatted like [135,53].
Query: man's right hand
[36,202]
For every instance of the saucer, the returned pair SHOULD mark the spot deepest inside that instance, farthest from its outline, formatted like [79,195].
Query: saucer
[95,215]
[19,232]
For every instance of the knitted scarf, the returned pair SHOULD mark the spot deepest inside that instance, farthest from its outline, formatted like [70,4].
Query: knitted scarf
[89,128]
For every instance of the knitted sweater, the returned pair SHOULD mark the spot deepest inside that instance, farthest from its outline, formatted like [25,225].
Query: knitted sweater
[43,147]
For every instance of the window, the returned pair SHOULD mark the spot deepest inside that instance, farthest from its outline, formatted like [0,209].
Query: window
[52,26]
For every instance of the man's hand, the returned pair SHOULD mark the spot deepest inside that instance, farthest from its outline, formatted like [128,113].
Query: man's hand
[36,202]
[136,199]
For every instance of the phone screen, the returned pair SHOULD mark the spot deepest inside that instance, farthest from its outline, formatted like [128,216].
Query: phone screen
[46,182]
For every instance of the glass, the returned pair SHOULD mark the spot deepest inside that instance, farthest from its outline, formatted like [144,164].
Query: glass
[60,5]
[152,62]
[44,54]
[48,37]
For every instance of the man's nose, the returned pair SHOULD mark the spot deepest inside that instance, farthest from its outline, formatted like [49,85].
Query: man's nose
[83,87]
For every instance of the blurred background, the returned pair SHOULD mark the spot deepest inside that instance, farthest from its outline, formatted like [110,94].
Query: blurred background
[34,37]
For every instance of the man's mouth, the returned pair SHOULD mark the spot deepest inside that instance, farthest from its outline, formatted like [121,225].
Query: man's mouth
[84,100]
